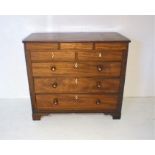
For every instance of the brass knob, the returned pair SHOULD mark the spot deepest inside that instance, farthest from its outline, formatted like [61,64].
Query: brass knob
[53,68]
[99,68]
[54,85]
[55,101]
[98,102]
[98,84]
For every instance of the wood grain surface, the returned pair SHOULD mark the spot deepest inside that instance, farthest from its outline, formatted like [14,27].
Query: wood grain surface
[70,85]
[76,102]
[76,72]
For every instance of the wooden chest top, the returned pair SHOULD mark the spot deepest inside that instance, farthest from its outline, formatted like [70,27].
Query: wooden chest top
[77,37]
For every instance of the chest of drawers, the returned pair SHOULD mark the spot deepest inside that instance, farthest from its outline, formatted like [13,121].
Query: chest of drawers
[76,72]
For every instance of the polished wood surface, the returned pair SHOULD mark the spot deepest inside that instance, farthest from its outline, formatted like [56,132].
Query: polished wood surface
[53,56]
[76,72]
[113,46]
[100,55]
[82,46]
[76,85]
[77,69]
[82,55]
[76,102]
[77,37]
[41,46]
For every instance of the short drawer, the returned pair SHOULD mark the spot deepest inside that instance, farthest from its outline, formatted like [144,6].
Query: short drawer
[75,85]
[41,46]
[107,69]
[100,55]
[76,102]
[111,46]
[53,55]
[87,46]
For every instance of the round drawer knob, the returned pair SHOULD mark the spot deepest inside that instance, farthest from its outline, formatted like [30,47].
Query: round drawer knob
[99,68]
[54,85]
[98,102]
[53,68]
[55,101]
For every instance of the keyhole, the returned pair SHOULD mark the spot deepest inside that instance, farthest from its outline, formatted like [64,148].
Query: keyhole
[52,55]
[76,81]
[76,65]
[100,55]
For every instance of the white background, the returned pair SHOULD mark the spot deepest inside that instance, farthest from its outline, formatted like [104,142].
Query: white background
[140,29]
[71,7]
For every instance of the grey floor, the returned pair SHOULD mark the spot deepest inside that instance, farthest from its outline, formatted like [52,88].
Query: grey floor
[137,122]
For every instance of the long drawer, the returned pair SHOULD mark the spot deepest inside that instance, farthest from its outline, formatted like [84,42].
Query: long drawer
[82,55]
[52,55]
[101,55]
[76,85]
[76,102]
[78,69]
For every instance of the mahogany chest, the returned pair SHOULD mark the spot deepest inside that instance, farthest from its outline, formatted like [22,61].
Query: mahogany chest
[76,72]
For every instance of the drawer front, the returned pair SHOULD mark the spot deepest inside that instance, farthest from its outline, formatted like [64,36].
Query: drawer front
[53,56]
[69,55]
[100,55]
[41,46]
[76,85]
[111,46]
[86,46]
[76,102]
[107,69]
